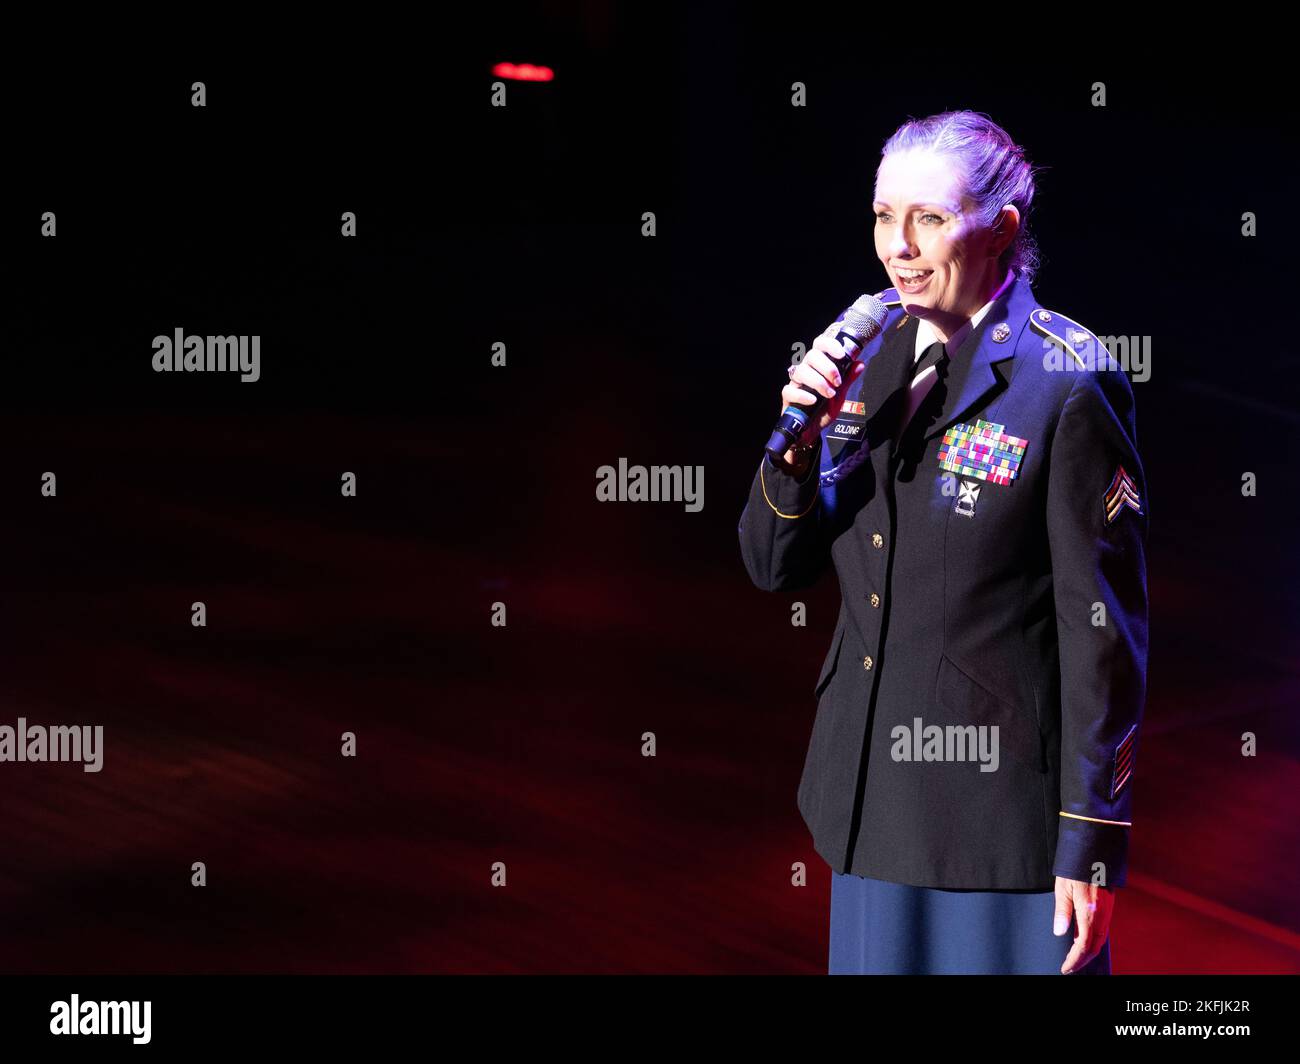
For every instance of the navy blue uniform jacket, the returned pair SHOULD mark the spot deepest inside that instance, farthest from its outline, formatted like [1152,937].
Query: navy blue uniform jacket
[982,586]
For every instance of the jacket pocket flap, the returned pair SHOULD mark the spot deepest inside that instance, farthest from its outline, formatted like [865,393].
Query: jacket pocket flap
[958,691]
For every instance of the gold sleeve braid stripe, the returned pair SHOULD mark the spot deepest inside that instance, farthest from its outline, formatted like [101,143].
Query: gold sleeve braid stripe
[763,482]
[1098,820]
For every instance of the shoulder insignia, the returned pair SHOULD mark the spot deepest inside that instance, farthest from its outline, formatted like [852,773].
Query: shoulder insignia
[1073,337]
[1081,343]
[1122,492]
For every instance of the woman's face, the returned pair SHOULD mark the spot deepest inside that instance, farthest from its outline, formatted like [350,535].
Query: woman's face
[924,230]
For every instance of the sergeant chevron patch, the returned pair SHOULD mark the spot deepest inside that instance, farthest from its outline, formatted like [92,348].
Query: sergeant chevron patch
[1122,492]
[1123,763]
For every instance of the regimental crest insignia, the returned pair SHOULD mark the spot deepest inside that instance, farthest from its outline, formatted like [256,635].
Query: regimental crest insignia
[968,492]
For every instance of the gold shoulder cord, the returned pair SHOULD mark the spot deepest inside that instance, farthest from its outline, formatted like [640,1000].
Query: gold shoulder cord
[763,482]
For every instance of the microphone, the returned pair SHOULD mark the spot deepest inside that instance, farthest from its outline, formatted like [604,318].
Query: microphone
[859,325]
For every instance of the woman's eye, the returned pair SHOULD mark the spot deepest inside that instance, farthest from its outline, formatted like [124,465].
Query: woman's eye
[882,216]
[931,215]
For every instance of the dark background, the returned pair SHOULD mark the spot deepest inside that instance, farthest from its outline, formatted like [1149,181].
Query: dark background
[522,744]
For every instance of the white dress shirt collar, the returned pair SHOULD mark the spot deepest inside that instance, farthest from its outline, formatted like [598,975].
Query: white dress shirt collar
[925,334]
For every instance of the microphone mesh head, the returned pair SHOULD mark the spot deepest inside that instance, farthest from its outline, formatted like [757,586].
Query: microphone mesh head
[865,318]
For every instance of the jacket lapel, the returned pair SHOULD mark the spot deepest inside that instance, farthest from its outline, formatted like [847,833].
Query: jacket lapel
[886,379]
[972,381]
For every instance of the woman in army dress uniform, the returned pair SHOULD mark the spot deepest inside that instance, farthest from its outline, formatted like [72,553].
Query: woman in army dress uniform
[975,480]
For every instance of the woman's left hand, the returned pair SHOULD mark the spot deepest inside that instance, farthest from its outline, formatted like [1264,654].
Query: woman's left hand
[1091,906]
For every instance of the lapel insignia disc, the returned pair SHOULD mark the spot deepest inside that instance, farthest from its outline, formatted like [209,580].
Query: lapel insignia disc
[1122,492]
[1000,332]
[983,450]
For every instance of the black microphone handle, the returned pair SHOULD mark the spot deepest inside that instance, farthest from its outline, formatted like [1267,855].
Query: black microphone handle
[794,419]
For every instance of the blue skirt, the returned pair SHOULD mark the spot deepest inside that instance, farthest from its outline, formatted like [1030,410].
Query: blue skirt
[880,928]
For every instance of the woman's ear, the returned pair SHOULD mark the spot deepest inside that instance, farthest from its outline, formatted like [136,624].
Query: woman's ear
[1005,228]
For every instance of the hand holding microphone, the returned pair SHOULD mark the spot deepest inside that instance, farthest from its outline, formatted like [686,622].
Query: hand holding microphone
[818,375]
[819,382]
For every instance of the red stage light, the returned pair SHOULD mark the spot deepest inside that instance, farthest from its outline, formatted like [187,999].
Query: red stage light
[523,72]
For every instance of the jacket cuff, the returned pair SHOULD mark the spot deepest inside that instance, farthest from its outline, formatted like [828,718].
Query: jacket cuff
[1083,844]
[787,495]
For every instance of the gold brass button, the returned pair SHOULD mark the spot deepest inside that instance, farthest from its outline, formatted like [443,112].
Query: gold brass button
[867,663]
[877,540]
[875,600]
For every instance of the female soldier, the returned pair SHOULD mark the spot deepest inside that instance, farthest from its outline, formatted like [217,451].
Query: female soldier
[976,481]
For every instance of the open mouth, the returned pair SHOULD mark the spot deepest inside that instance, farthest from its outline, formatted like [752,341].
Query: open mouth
[912,280]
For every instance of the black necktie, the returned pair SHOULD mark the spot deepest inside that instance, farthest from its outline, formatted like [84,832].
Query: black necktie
[935,355]
[929,357]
